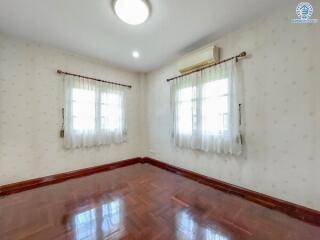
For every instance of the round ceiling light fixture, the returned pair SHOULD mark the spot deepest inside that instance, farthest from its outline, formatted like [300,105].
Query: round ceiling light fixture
[133,12]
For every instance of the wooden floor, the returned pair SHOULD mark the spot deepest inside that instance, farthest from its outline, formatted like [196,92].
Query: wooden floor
[141,202]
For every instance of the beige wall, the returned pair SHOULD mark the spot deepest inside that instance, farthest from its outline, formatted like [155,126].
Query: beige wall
[30,112]
[282,111]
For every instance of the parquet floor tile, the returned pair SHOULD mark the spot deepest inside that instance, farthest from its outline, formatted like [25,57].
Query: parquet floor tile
[141,202]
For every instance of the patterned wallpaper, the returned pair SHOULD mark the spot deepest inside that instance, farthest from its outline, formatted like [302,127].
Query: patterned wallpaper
[282,111]
[30,112]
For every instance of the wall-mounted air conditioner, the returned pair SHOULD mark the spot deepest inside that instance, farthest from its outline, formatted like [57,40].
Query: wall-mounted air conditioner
[199,58]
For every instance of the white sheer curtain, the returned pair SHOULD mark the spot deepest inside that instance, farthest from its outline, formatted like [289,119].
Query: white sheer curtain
[205,110]
[95,113]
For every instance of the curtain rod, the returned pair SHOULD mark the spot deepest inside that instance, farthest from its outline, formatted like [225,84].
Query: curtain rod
[94,79]
[243,54]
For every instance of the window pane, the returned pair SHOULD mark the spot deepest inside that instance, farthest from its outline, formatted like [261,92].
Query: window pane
[83,109]
[215,88]
[215,107]
[185,94]
[184,110]
[111,111]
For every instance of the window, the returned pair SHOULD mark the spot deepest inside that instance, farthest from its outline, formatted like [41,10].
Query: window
[184,109]
[111,111]
[83,110]
[94,113]
[215,107]
[205,110]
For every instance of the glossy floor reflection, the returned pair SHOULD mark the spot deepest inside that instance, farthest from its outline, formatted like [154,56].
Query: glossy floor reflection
[188,228]
[141,202]
[98,223]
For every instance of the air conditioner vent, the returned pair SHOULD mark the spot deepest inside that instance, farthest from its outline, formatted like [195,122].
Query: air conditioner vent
[199,58]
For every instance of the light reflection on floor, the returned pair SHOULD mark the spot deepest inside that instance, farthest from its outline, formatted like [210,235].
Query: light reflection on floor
[189,229]
[97,223]
[112,217]
[85,225]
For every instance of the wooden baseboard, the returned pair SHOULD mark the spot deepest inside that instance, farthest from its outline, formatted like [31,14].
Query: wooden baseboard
[296,211]
[43,181]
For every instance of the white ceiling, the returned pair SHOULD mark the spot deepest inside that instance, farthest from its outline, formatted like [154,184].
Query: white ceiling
[90,27]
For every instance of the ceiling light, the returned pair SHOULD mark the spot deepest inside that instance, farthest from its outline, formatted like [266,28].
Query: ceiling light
[133,12]
[135,54]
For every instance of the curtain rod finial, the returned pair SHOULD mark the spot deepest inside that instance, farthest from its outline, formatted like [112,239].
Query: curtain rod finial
[59,71]
[243,54]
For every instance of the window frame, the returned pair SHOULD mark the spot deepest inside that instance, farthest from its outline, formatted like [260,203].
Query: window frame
[197,101]
[97,106]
